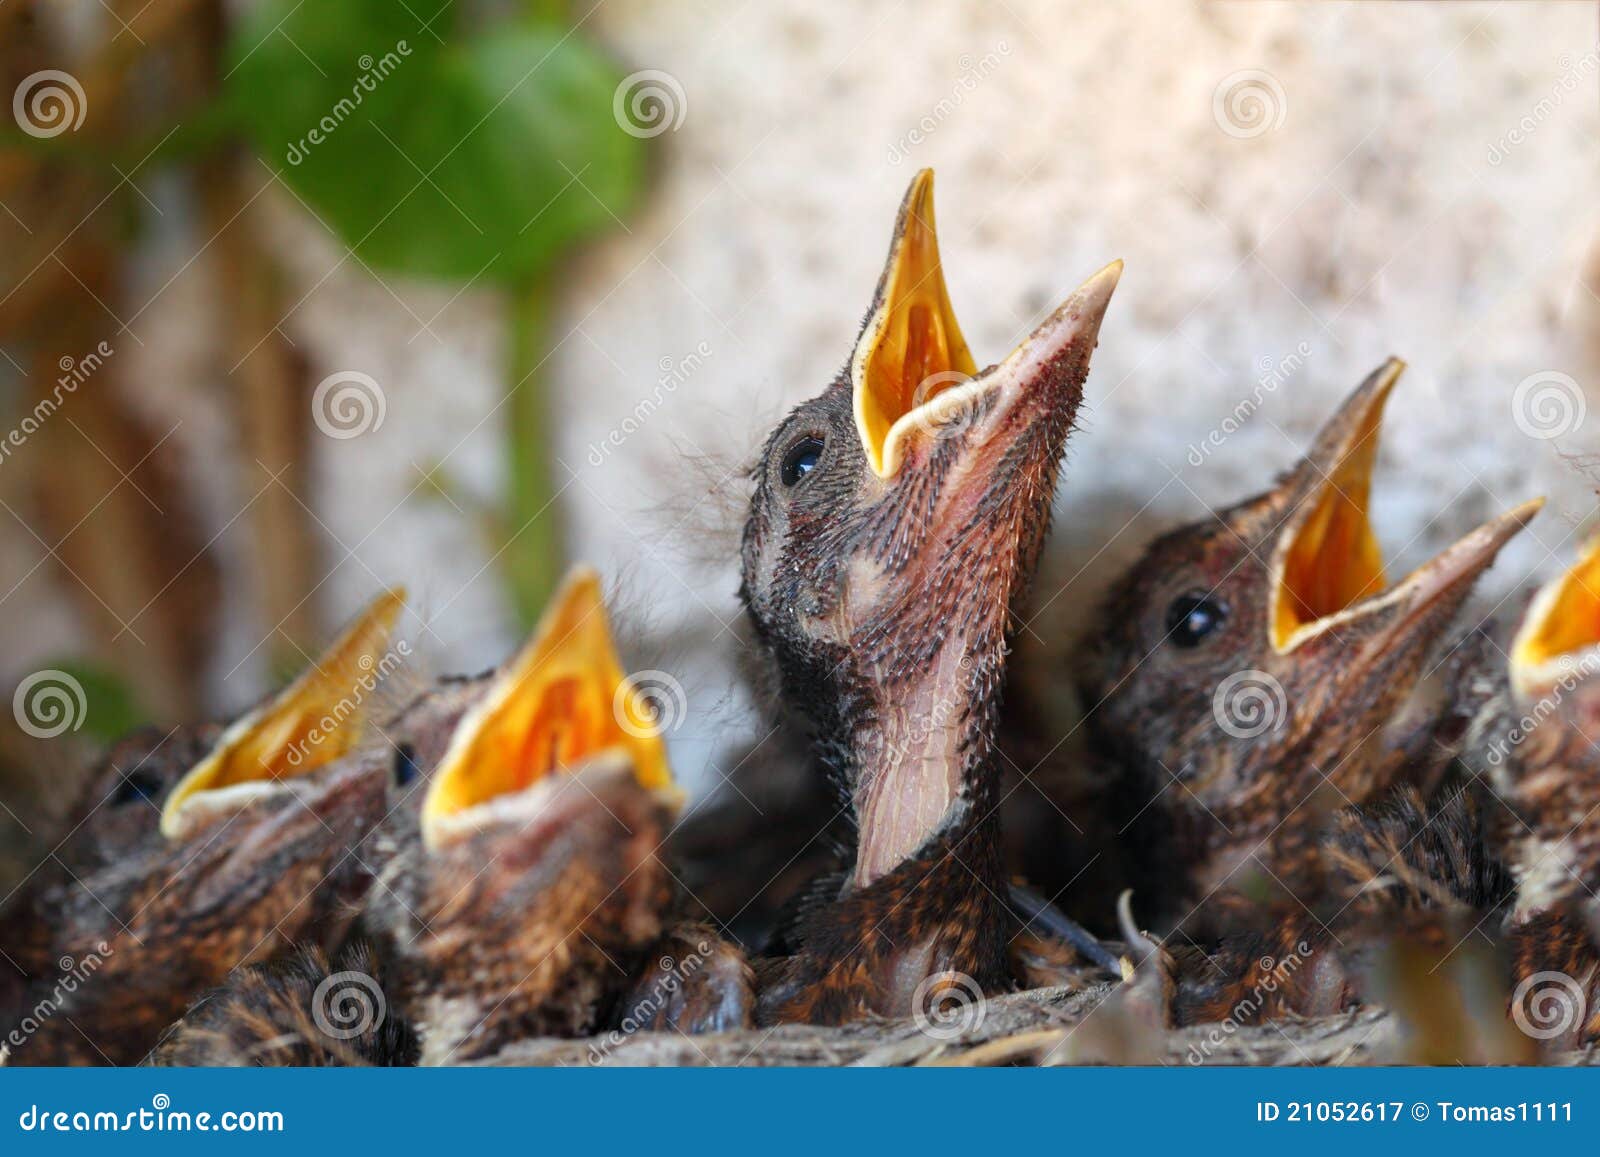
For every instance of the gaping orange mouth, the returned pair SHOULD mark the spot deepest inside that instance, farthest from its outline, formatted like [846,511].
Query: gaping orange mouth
[1329,558]
[912,348]
[1327,567]
[314,721]
[1560,628]
[560,703]
[911,367]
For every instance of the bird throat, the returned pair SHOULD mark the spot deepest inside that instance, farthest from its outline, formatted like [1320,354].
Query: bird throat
[912,758]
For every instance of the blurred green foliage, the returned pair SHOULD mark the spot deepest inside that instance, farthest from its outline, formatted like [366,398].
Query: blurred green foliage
[437,148]
[111,707]
[433,148]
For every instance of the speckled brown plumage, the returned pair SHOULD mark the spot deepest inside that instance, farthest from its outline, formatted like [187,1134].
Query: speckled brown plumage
[165,920]
[289,1013]
[167,926]
[1543,763]
[1227,810]
[884,601]
[1402,869]
[112,822]
[692,981]
[529,927]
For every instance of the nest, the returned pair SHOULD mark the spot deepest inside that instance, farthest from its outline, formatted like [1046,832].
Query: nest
[1041,1027]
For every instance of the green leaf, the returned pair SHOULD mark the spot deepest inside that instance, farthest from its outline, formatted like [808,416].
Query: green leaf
[483,156]
[110,707]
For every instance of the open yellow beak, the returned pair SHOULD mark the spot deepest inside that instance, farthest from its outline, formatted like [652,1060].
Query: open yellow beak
[911,370]
[1327,568]
[1561,628]
[559,703]
[1329,558]
[912,349]
[312,722]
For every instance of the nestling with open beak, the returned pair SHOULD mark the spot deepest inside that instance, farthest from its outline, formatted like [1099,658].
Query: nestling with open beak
[1542,756]
[896,521]
[534,893]
[258,844]
[1245,674]
[114,820]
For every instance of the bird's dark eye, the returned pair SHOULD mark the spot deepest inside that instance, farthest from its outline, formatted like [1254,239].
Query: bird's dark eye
[801,460]
[135,786]
[405,765]
[1193,617]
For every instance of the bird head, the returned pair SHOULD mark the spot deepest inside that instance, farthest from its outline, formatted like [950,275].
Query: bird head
[315,721]
[539,831]
[896,520]
[1251,654]
[1545,759]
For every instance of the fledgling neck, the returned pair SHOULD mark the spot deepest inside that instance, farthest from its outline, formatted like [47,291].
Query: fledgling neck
[922,762]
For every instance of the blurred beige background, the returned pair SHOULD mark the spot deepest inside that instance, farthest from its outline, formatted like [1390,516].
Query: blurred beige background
[1298,190]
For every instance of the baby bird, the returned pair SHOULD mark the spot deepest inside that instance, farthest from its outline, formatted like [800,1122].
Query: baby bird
[534,890]
[256,845]
[115,821]
[1248,671]
[1543,760]
[896,521]
[526,898]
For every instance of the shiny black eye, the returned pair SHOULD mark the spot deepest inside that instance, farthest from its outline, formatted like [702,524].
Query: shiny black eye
[405,764]
[801,460]
[136,786]
[1194,616]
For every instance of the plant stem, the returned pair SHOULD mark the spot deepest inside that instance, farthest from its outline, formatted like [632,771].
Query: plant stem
[534,539]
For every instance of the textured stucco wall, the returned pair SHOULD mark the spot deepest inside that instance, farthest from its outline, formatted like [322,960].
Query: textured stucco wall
[1384,208]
